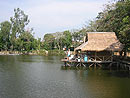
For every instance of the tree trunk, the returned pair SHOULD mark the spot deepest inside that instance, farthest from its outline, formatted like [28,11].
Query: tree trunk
[58,46]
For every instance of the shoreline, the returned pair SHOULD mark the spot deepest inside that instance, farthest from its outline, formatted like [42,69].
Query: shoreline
[20,53]
[35,52]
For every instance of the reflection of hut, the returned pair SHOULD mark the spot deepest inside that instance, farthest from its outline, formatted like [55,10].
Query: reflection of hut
[100,46]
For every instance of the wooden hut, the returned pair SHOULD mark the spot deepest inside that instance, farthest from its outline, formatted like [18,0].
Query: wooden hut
[100,47]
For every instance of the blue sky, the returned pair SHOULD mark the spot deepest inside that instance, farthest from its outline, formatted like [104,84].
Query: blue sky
[50,16]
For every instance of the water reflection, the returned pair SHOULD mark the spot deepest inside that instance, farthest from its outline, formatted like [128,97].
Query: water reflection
[43,77]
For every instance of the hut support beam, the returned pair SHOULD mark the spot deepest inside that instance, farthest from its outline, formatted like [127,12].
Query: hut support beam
[66,64]
[95,64]
[91,65]
[99,65]
[112,56]
[80,64]
[95,56]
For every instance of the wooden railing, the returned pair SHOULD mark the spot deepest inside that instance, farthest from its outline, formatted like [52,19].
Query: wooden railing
[100,58]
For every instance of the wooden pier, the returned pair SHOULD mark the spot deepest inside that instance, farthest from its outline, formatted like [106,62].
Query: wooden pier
[76,63]
[122,64]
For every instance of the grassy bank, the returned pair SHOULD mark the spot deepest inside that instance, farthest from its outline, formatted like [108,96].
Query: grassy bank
[56,52]
[34,52]
[49,52]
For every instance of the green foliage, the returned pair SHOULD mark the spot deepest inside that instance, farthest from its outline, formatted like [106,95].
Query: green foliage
[67,39]
[18,21]
[14,36]
[5,28]
[49,41]
[115,18]
[78,36]
[26,40]
[57,40]
[59,43]
[56,52]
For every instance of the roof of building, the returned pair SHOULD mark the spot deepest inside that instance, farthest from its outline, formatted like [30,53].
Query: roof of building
[100,41]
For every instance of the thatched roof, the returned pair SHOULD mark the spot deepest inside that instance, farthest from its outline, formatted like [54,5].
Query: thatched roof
[100,41]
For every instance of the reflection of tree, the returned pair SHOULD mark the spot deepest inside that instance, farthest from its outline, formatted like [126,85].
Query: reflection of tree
[98,83]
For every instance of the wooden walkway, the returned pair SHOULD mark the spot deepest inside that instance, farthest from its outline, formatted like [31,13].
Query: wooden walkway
[119,63]
[82,63]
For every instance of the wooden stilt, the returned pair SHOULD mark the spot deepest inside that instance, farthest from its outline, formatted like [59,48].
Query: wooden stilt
[77,64]
[95,65]
[112,56]
[83,64]
[91,65]
[68,64]
[80,64]
[95,56]
[129,67]
[99,65]
[64,63]
[110,64]
[117,64]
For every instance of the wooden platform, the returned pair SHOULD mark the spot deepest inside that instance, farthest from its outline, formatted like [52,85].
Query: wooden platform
[109,63]
[82,63]
[65,60]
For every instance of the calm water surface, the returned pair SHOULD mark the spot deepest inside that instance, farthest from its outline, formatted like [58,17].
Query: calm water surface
[42,77]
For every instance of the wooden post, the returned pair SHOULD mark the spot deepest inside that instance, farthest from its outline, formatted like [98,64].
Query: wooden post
[91,65]
[64,63]
[112,56]
[117,65]
[103,58]
[95,55]
[94,65]
[125,66]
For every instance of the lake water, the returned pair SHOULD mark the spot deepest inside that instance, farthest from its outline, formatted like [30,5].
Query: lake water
[43,77]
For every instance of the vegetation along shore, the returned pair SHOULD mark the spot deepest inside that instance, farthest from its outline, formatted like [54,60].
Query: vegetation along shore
[16,38]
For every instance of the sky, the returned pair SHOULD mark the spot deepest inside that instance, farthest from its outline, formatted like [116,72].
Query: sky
[50,16]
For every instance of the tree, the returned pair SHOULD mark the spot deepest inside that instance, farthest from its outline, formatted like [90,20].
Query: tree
[39,43]
[5,28]
[26,40]
[115,18]
[78,36]
[18,21]
[59,40]
[67,39]
[49,41]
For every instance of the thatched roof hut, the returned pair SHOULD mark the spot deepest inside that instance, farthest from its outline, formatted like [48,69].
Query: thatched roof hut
[101,41]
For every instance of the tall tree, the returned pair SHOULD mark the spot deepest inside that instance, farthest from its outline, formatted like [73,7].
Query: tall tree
[18,21]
